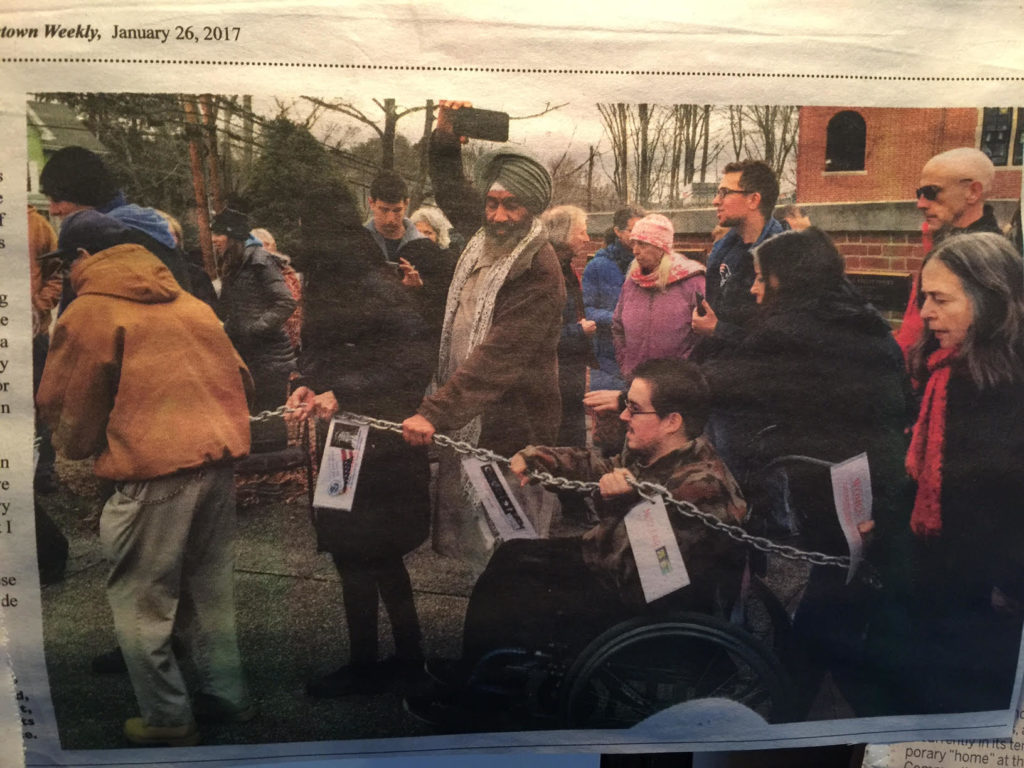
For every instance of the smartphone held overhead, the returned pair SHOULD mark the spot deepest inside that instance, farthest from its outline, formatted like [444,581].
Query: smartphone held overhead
[487,124]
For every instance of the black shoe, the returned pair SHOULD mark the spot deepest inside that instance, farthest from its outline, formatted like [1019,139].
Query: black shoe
[109,663]
[403,670]
[346,681]
[213,709]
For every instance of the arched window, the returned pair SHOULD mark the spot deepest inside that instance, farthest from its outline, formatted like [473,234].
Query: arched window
[845,141]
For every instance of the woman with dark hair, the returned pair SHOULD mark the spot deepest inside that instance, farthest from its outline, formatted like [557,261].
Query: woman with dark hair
[820,366]
[367,348]
[967,456]
[820,375]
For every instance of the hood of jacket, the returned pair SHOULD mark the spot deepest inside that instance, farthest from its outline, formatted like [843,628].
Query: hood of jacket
[126,271]
[618,254]
[145,220]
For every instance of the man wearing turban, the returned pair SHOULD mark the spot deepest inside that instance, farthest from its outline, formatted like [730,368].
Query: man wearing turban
[497,375]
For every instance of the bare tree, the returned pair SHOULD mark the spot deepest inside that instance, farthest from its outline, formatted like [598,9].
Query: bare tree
[662,144]
[690,131]
[737,131]
[615,118]
[774,133]
[572,182]
[385,130]
[765,132]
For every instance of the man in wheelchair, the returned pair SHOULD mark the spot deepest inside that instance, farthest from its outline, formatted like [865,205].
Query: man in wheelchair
[558,594]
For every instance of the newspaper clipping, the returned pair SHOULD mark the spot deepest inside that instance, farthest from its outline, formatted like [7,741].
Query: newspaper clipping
[698,262]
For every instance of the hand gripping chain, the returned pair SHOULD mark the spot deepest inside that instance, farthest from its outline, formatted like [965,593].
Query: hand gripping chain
[647,490]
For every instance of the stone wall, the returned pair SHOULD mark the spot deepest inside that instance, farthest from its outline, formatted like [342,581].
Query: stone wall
[875,237]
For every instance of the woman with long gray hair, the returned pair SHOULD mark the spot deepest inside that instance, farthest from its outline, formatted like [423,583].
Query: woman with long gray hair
[967,457]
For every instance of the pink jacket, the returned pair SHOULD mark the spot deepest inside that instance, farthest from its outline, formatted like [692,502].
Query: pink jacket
[650,323]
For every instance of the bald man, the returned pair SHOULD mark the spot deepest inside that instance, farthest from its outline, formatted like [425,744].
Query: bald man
[954,186]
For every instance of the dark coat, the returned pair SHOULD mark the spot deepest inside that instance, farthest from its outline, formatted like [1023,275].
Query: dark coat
[730,274]
[965,649]
[825,379]
[455,194]
[982,540]
[254,303]
[574,353]
[435,267]
[364,339]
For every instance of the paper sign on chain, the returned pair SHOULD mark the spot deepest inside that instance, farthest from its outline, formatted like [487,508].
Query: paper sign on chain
[339,470]
[500,504]
[655,549]
[851,489]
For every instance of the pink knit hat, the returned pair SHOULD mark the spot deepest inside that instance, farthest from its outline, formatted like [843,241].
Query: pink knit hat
[654,229]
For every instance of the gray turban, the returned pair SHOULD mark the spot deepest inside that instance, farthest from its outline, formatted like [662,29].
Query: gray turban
[517,172]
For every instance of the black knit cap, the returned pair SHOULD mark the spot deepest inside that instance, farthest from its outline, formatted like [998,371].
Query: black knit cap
[91,230]
[232,223]
[77,175]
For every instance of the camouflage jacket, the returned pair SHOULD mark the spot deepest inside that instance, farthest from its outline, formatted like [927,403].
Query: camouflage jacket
[693,473]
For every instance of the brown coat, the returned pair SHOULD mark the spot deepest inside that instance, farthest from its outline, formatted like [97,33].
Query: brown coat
[511,378]
[141,374]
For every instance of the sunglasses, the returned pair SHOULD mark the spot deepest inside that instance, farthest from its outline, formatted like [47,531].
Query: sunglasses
[931,192]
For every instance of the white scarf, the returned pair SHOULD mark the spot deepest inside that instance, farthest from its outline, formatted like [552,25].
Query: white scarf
[510,267]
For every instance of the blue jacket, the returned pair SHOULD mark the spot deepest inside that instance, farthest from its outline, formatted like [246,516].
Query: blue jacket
[602,282]
[730,276]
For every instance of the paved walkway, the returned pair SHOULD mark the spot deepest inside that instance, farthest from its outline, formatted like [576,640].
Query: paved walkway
[291,627]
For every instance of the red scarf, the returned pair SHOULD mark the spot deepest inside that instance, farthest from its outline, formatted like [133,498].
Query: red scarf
[924,458]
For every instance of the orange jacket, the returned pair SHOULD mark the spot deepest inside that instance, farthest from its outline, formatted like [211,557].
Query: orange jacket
[141,374]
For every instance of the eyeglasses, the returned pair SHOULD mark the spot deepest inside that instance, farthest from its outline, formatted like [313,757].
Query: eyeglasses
[931,192]
[634,409]
[724,192]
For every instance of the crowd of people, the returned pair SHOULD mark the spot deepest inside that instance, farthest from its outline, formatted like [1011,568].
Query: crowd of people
[469,319]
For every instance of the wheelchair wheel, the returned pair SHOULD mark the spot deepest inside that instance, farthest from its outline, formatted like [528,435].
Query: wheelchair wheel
[643,666]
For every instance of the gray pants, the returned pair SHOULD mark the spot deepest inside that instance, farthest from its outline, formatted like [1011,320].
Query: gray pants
[170,542]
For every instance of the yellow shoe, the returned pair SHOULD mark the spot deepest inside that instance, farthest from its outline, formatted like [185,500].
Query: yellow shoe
[138,731]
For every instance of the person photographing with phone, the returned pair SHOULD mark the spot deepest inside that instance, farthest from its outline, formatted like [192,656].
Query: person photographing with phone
[744,202]
[497,373]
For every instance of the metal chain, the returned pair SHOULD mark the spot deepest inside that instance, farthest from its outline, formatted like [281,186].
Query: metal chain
[268,415]
[647,490]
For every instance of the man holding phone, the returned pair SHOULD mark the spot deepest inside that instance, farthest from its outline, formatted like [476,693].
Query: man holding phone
[416,256]
[497,376]
[744,202]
